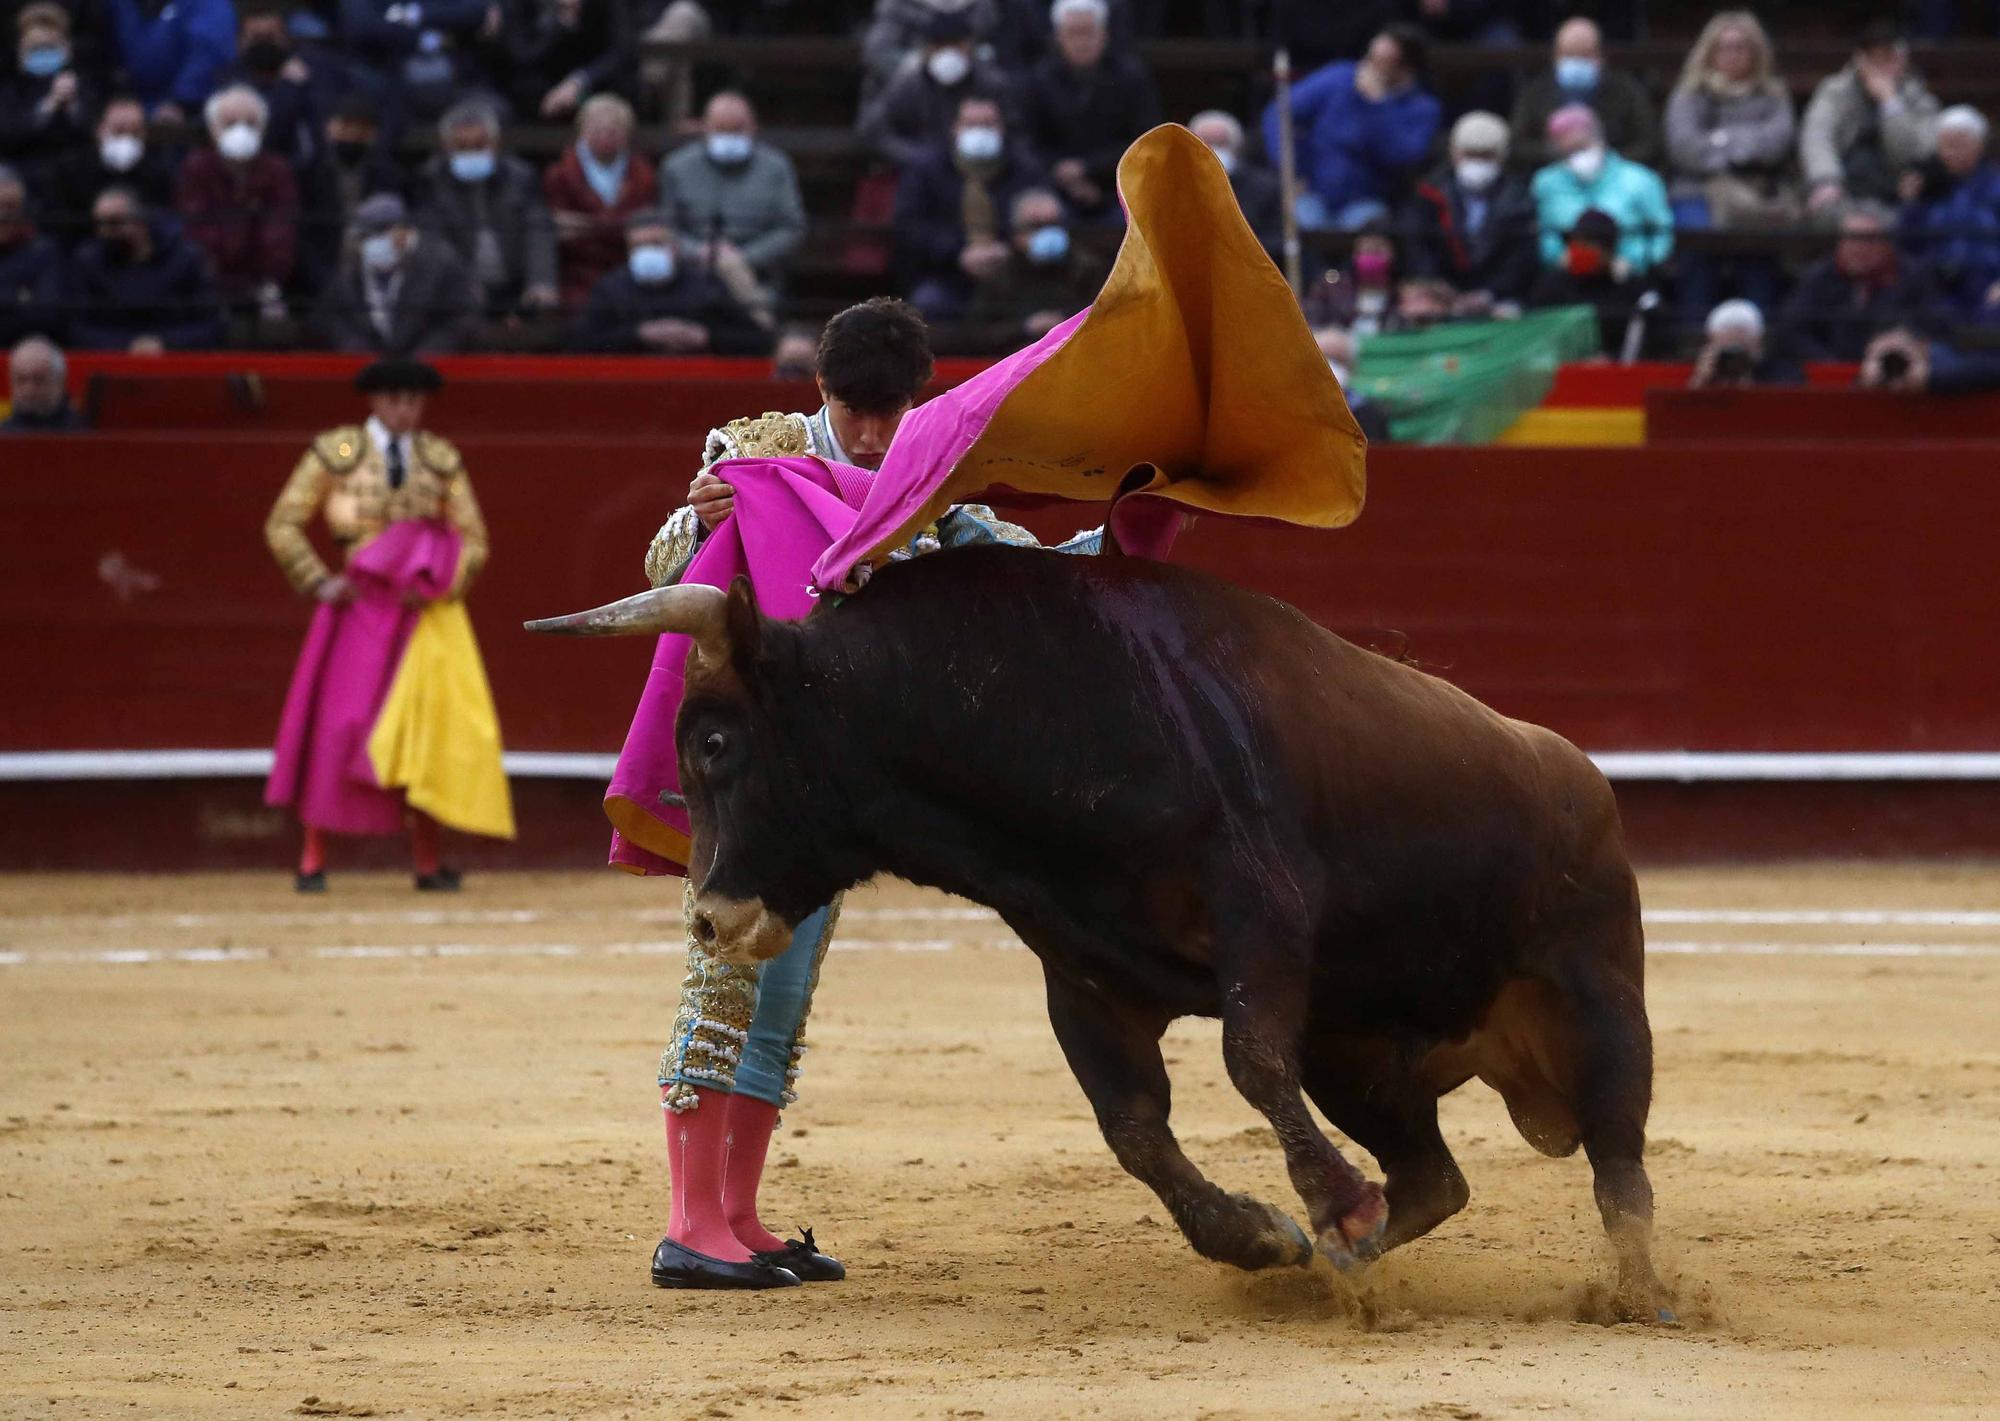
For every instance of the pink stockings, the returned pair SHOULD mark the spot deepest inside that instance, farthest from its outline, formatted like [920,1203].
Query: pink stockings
[715,1157]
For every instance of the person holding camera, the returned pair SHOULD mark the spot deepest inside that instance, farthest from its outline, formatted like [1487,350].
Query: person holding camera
[1735,352]
[1866,286]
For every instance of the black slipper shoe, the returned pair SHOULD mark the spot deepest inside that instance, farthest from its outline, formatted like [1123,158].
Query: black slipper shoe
[802,1256]
[444,880]
[675,1266]
[314,882]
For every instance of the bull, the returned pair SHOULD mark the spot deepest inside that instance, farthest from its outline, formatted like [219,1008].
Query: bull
[1188,799]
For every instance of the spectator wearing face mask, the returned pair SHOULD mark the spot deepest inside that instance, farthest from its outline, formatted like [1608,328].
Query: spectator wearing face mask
[1866,287]
[30,268]
[1590,175]
[1631,323]
[1047,277]
[560,52]
[1577,74]
[664,303]
[917,107]
[1360,129]
[952,211]
[488,206]
[1084,104]
[138,285]
[38,391]
[1735,352]
[597,183]
[736,200]
[1256,186]
[44,102]
[267,61]
[353,162]
[1360,298]
[240,204]
[172,51]
[1473,222]
[399,292]
[900,30]
[1951,220]
[122,155]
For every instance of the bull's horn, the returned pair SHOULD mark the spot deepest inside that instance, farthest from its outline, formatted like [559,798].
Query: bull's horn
[692,610]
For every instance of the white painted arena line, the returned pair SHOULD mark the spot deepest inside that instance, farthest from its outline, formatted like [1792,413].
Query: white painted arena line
[507,917]
[140,956]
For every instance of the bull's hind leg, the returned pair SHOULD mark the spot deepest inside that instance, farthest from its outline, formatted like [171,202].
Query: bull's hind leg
[1611,1089]
[1374,1093]
[1114,1049]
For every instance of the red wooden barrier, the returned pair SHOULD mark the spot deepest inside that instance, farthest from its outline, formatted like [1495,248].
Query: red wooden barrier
[1825,415]
[1831,597]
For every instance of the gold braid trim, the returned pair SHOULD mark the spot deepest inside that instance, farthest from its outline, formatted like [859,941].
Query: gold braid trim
[718,1000]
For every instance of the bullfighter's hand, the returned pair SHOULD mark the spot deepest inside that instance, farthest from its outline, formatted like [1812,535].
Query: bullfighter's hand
[711,499]
[334,589]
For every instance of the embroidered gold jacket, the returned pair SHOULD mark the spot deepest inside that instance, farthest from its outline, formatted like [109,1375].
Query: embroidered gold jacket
[343,474]
[770,435]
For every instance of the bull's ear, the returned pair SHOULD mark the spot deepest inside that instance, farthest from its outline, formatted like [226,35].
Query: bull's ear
[746,625]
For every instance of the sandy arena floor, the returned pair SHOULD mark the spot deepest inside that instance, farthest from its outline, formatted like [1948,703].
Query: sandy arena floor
[379,1155]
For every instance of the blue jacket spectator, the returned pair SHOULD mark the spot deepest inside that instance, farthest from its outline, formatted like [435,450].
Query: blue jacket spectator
[1953,221]
[1362,130]
[1588,175]
[138,285]
[422,54]
[173,50]
[30,268]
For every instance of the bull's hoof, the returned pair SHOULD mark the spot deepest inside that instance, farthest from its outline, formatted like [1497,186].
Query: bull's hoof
[1250,1234]
[1354,1240]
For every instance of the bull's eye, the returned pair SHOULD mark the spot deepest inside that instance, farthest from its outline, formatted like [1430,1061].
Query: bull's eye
[714,744]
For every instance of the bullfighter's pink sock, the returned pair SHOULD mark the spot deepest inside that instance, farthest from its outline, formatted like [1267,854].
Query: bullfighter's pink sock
[751,1122]
[312,855]
[424,843]
[696,1146]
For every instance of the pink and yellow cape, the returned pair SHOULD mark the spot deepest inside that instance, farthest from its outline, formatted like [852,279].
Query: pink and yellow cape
[389,704]
[1191,385]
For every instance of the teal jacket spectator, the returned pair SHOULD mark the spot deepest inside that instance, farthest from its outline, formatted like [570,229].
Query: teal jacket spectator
[173,50]
[1632,194]
[1360,139]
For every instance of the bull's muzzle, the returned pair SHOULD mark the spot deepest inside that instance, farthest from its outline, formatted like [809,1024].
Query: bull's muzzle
[739,930]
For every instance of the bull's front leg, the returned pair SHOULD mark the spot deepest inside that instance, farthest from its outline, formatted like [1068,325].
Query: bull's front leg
[1263,1021]
[1114,1049]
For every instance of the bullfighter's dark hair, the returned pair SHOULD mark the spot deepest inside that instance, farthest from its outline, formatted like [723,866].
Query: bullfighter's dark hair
[875,358]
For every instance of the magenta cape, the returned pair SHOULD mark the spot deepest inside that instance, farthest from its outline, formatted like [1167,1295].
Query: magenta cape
[344,671]
[788,512]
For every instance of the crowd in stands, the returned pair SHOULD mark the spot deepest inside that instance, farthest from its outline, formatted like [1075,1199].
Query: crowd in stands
[344,174]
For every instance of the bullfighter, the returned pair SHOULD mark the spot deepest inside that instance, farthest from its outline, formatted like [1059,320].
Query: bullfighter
[389,721]
[740,1031]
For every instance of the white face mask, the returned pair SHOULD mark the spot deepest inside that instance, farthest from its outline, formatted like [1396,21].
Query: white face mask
[121,152]
[379,253]
[1478,174]
[239,142]
[948,66]
[979,145]
[729,149]
[1587,163]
